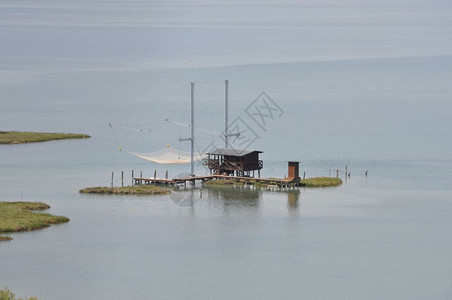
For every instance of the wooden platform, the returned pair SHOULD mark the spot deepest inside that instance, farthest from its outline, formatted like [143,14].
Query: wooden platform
[279,182]
[141,180]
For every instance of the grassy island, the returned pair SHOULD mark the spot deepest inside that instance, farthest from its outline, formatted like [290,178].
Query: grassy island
[18,137]
[320,182]
[20,216]
[127,190]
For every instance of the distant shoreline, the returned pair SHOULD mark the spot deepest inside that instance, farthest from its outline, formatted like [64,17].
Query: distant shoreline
[24,137]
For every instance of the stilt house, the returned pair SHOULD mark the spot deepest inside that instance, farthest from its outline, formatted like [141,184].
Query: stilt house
[234,162]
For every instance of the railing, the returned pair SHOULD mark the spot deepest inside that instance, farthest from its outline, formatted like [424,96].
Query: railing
[231,165]
[211,163]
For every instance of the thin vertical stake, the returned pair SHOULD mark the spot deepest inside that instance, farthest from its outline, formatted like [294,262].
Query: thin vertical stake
[192,125]
[226,115]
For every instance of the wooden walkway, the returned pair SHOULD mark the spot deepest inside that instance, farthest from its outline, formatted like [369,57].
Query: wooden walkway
[271,181]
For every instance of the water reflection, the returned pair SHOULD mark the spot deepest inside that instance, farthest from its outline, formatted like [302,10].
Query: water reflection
[236,200]
[233,199]
[293,201]
[293,197]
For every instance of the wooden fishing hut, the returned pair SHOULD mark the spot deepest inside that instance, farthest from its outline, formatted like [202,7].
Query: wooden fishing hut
[234,162]
[293,171]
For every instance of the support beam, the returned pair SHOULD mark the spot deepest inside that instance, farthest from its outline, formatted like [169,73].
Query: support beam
[192,125]
[226,115]
[192,129]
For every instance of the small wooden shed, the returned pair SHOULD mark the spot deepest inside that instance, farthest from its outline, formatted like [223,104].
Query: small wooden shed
[293,171]
[234,162]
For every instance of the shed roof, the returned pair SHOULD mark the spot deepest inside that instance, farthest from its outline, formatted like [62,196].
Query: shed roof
[232,152]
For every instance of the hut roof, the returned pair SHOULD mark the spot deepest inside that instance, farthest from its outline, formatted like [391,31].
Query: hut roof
[232,152]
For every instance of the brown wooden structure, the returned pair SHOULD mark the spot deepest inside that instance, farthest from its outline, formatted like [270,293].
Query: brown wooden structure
[294,171]
[233,162]
[293,180]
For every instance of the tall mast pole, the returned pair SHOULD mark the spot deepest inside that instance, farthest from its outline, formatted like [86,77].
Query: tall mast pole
[192,126]
[226,112]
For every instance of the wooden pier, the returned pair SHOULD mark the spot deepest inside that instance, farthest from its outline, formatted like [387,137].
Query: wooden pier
[289,182]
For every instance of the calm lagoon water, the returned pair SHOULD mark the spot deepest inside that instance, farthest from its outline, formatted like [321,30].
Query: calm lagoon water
[363,86]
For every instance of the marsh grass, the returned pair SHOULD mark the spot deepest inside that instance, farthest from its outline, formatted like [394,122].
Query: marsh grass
[6,294]
[309,182]
[19,137]
[215,182]
[320,182]
[223,182]
[127,190]
[260,185]
[20,216]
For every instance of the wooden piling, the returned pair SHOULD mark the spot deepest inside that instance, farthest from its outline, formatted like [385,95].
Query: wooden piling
[155,174]
[122,178]
[132,177]
[112,174]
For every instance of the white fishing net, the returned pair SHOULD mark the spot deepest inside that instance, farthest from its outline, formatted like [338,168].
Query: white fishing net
[167,156]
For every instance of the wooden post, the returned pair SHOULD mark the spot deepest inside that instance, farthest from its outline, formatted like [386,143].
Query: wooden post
[346,173]
[304,175]
[337,173]
[155,174]
[141,174]
[112,178]
[132,178]
[122,178]
[166,174]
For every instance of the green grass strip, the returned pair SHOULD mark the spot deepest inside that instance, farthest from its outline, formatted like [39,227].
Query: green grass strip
[320,182]
[18,137]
